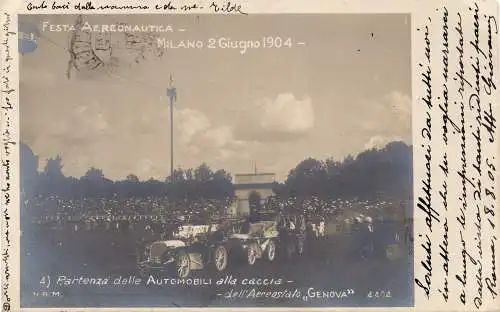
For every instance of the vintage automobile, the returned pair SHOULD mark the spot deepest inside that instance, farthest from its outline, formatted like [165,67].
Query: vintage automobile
[271,234]
[189,248]
[231,241]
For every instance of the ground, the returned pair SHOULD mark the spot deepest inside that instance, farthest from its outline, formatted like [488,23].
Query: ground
[331,269]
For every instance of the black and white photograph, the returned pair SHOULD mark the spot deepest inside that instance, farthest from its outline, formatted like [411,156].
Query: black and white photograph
[250,160]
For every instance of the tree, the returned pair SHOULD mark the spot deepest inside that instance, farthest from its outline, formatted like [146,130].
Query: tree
[94,183]
[94,174]
[132,178]
[203,173]
[52,179]
[179,175]
[131,186]
[349,160]
[220,186]
[53,168]
[332,167]
[189,174]
[222,175]
[309,168]
[309,177]
[372,174]
[154,187]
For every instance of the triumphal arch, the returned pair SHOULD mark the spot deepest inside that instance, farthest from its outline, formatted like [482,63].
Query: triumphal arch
[245,184]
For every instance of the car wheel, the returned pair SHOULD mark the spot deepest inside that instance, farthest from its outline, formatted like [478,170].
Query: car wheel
[183,264]
[252,254]
[271,251]
[220,259]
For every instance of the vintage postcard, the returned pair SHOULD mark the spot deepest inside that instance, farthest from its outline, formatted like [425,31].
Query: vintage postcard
[164,155]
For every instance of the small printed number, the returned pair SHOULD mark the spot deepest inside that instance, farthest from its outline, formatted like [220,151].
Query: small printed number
[277,42]
[379,294]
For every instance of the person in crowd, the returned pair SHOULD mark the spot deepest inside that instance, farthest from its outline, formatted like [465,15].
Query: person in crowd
[362,239]
[409,234]
[322,227]
[408,231]
[369,237]
[356,235]
[379,239]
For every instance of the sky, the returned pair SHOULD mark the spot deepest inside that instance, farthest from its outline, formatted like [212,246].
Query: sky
[347,88]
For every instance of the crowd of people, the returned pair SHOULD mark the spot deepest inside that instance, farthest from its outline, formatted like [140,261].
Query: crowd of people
[49,209]
[112,230]
[54,209]
[154,214]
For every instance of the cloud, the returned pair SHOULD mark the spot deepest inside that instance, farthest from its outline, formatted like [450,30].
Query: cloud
[84,135]
[380,141]
[200,135]
[400,104]
[287,114]
[391,118]
[284,118]
[226,154]
[197,131]
[389,115]
[191,122]
[220,136]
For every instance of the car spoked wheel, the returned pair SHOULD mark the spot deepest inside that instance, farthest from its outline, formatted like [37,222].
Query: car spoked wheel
[183,264]
[252,254]
[220,258]
[271,251]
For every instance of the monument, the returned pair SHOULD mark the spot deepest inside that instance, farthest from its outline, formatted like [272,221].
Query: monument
[245,184]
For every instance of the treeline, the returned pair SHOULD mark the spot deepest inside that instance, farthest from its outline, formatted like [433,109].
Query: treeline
[383,173]
[375,173]
[191,183]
